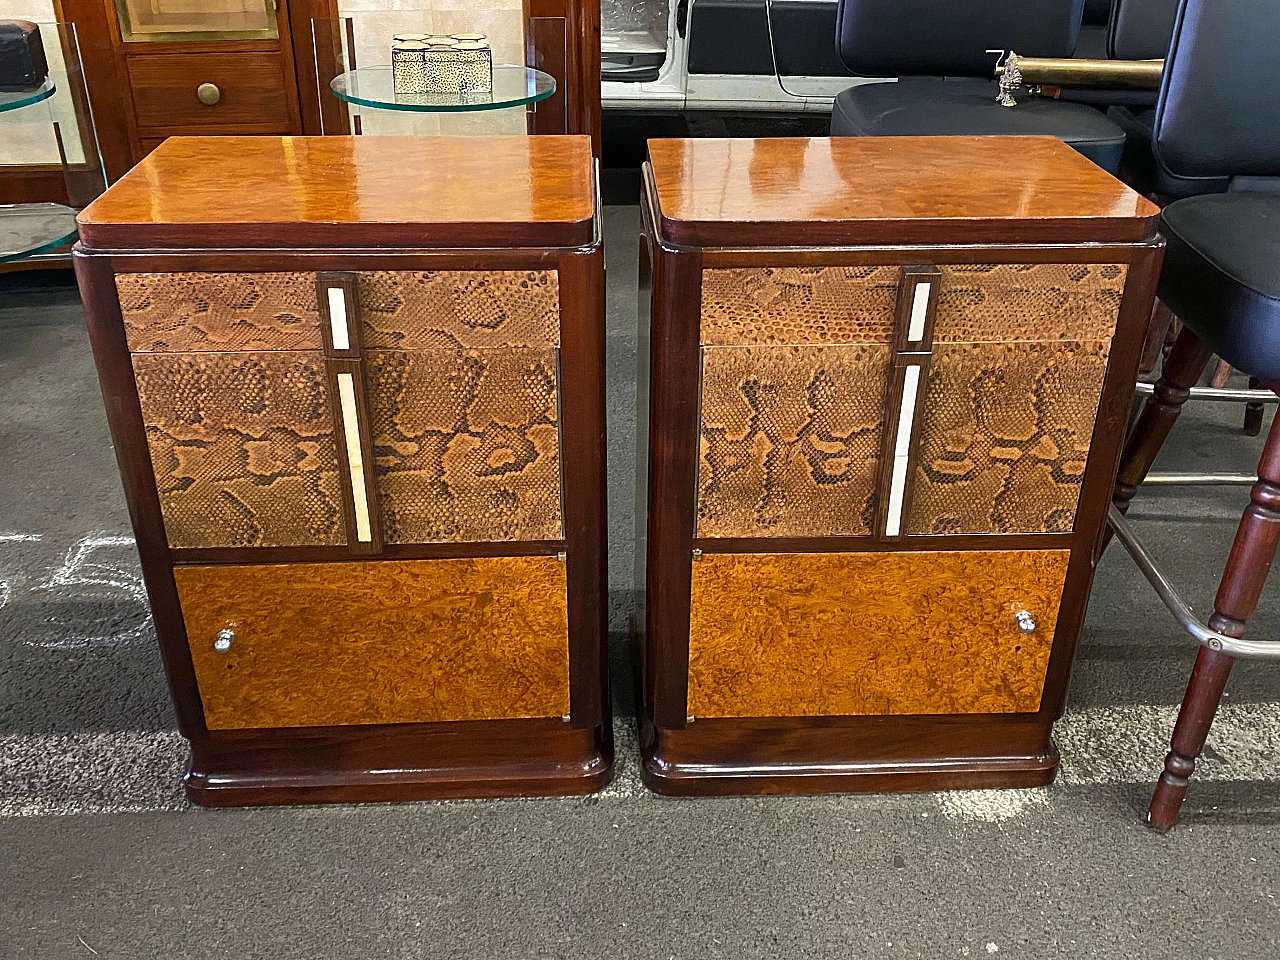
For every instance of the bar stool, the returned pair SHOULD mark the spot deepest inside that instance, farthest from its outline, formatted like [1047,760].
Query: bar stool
[1218,116]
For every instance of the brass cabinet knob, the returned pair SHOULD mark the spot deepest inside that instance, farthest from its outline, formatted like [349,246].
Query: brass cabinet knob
[1026,622]
[222,642]
[208,93]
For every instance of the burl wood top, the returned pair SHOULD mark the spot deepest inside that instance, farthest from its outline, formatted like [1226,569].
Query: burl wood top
[889,190]
[203,192]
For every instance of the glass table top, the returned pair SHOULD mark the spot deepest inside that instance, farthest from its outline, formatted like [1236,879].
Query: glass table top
[11,100]
[27,229]
[513,86]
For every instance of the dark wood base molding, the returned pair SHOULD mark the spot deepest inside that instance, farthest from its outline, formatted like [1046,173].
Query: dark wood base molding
[381,764]
[794,755]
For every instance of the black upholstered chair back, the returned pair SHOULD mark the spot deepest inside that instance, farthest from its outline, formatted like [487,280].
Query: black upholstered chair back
[1141,29]
[1219,114]
[948,38]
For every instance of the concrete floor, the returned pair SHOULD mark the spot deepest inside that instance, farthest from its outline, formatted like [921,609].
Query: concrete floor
[100,856]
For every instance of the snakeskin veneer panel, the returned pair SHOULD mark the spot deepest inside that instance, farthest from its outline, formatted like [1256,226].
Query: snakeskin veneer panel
[194,312]
[790,440]
[242,448]
[798,305]
[466,444]
[459,309]
[1005,435]
[1029,301]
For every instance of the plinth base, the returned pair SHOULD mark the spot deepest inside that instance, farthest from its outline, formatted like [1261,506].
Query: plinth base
[512,758]
[808,755]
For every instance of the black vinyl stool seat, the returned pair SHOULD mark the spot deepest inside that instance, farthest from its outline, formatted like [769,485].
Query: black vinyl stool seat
[916,106]
[1221,275]
[938,50]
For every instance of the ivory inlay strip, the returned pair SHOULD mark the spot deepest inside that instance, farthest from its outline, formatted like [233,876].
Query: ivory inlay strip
[355,459]
[338,318]
[902,449]
[919,312]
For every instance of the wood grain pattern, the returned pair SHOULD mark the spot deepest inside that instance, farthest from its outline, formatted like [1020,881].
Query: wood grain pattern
[1004,436]
[252,86]
[379,642]
[346,192]
[242,447]
[790,440]
[1029,301]
[193,312]
[461,308]
[883,634]
[787,305]
[856,190]
[466,444]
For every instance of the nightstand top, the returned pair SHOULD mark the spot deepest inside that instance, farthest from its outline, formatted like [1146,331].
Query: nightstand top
[350,192]
[889,190]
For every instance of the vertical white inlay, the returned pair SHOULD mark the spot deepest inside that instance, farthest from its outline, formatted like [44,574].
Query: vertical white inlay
[919,310]
[355,458]
[338,318]
[902,451]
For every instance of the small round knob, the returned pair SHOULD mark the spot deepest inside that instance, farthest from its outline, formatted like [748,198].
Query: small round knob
[222,642]
[208,93]
[1026,622]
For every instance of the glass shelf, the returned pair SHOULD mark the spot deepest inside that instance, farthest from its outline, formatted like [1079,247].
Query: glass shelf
[29,229]
[14,101]
[513,86]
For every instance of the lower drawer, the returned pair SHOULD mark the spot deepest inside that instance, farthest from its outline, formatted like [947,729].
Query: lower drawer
[392,641]
[802,635]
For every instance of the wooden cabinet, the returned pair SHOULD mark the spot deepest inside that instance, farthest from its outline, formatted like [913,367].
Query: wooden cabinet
[341,426]
[886,389]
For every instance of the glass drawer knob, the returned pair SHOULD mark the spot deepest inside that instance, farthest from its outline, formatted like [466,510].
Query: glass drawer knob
[1026,622]
[222,643]
[208,93]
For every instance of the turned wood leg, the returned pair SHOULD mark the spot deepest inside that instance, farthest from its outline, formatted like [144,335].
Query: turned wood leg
[1182,368]
[1221,374]
[1157,333]
[1247,567]
[1253,412]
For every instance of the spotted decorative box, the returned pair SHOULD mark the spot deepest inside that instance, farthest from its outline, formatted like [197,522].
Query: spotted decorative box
[452,64]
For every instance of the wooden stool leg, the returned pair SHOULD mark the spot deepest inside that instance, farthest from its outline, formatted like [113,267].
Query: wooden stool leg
[1253,412]
[1182,368]
[1221,374]
[1247,567]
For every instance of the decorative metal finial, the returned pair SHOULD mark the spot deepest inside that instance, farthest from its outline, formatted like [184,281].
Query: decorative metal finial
[1010,76]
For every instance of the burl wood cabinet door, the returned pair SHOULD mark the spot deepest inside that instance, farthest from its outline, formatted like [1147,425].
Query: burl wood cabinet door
[387,641]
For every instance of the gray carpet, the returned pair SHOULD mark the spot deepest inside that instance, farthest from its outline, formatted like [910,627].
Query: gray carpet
[100,855]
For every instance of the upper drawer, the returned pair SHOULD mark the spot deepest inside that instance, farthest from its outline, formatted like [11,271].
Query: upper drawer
[418,309]
[251,89]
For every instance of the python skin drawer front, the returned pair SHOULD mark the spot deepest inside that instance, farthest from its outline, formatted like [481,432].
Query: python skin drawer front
[782,635]
[409,641]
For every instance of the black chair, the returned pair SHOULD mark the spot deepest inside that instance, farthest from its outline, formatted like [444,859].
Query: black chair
[1217,119]
[1092,42]
[937,49]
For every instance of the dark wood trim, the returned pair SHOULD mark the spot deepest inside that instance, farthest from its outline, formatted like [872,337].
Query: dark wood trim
[390,551]
[807,755]
[338,259]
[873,544]
[673,479]
[37,183]
[583,453]
[889,254]
[334,368]
[888,450]
[129,437]
[914,274]
[380,763]
[349,284]
[1100,469]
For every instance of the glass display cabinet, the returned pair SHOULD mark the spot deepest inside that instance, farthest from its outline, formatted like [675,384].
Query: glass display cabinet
[142,20]
[49,128]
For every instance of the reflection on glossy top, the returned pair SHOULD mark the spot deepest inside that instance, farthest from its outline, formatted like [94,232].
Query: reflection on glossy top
[890,189]
[350,191]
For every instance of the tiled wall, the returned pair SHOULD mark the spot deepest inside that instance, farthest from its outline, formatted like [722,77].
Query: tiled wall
[376,21]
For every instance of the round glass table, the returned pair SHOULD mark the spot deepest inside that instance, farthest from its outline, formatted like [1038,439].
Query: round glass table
[12,101]
[513,86]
